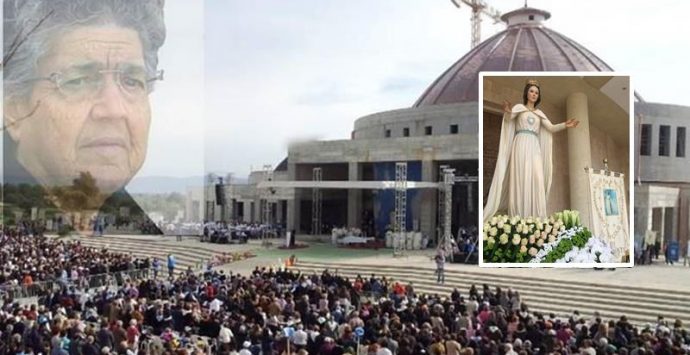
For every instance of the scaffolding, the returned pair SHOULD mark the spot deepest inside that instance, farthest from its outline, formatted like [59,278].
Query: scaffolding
[210,197]
[267,231]
[447,187]
[316,203]
[469,181]
[441,208]
[400,228]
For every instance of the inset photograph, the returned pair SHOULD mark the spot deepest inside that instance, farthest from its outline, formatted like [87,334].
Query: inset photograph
[555,169]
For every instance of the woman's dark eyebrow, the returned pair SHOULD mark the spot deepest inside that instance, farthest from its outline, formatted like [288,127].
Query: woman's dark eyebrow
[87,66]
[91,66]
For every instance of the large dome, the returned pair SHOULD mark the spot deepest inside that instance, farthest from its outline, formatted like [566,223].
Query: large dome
[526,45]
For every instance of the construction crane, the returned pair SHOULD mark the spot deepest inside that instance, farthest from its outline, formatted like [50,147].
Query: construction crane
[479,7]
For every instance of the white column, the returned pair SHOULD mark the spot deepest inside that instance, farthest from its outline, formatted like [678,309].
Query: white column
[354,197]
[427,223]
[579,155]
[248,211]
[279,211]
[294,203]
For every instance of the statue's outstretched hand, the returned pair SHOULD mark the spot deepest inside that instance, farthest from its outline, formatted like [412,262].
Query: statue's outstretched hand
[572,123]
[507,106]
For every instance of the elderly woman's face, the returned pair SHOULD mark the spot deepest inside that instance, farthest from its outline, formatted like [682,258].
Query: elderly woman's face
[93,116]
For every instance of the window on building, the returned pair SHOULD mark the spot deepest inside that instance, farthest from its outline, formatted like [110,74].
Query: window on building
[406,132]
[646,140]
[531,17]
[453,129]
[427,130]
[664,140]
[388,133]
[680,141]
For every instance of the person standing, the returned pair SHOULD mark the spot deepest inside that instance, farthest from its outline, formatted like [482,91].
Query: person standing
[667,253]
[171,265]
[440,266]
[156,264]
[649,245]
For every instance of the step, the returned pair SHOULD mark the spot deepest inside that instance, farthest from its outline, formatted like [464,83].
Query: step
[586,310]
[425,281]
[185,255]
[647,308]
[526,284]
[654,302]
[183,260]
[682,296]
[147,248]
[183,248]
[163,243]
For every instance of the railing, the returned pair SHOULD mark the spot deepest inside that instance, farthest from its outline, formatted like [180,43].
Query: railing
[42,288]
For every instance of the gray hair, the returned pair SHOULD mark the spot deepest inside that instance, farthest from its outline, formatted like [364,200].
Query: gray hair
[35,23]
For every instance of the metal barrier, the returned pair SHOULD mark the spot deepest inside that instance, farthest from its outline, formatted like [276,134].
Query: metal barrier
[42,288]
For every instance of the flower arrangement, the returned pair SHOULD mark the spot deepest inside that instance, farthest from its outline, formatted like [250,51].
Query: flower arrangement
[518,240]
[569,218]
[568,240]
[596,250]
[559,239]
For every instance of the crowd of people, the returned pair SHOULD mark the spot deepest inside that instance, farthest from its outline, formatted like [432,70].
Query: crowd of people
[269,310]
[35,262]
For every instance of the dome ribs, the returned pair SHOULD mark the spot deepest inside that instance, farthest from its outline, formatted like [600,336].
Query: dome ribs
[525,45]
[471,90]
[560,49]
[515,46]
[542,64]
[436,87]
[599,64]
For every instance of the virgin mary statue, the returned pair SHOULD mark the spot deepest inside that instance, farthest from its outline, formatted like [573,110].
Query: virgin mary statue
[522,178]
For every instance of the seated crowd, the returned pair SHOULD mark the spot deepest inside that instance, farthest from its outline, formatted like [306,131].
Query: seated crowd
[269,311]
[34,260]
[261,313]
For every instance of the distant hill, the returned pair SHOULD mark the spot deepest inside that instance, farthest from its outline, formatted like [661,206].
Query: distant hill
[166,184]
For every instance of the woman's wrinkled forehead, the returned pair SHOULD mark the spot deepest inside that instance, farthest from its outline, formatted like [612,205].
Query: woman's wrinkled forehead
[108,46]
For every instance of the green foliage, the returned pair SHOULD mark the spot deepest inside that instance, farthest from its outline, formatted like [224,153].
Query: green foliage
[25,196]
[565,245]
[82,195]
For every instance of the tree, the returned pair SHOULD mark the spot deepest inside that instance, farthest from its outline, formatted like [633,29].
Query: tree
[82,195]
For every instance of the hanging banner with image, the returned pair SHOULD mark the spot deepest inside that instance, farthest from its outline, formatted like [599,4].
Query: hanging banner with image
[609,213]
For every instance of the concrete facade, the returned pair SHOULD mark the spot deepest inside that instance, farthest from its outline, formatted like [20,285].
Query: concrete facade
[440,118]
[662,166]
[379,138]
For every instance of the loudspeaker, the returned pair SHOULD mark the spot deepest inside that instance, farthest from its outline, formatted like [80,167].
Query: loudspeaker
[220,195]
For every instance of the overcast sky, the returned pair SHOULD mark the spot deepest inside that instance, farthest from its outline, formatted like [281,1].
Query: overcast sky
[248,77]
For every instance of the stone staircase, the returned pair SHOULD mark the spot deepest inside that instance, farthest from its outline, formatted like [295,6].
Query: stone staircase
[641,305]
[185,255]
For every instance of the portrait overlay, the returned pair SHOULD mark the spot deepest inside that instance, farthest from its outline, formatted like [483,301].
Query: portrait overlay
[554,168]
[93,99]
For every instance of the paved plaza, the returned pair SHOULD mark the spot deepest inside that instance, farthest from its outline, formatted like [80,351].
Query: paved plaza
[658,275]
